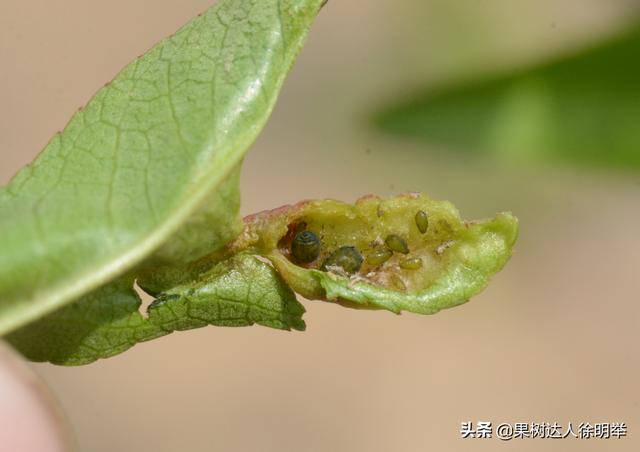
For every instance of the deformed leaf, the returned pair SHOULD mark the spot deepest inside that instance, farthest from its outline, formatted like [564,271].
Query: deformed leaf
[240,291]
[442,261]
[441,267]
[142,186]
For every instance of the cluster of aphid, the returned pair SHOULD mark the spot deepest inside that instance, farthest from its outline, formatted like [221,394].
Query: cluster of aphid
[306,246]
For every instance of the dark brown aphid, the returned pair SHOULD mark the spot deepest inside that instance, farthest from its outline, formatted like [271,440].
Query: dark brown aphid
[422,221]
[305,247]
[379,256]
[396,243]
[162,299]
[346,257]
[411,263]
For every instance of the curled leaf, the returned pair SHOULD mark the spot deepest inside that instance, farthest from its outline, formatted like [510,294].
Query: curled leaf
[404,268]
[142,186]
[445,264]
[240,291]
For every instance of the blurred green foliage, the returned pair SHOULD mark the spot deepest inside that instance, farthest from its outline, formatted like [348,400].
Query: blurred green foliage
[583,108]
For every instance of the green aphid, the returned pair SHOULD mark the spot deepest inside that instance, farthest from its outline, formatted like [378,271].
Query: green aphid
[422,221]
[346,257]
[396,243]
[305,247]
[379,256]
[411,263]
[397,282]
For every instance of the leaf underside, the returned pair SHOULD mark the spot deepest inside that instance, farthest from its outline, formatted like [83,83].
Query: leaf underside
[236,287]
[241,291]
[143,174]
[142,187]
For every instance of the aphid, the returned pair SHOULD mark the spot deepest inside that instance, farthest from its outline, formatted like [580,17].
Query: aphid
[346,257]
[305,247]
[397,283]
[396,243]
[422,221]
[411,263]
[379,256]
[162,299]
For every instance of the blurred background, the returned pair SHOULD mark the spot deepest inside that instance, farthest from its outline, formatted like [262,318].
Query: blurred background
[531,106]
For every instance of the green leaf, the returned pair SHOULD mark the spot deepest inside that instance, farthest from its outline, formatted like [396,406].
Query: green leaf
[232,287]
[142,186]
[210,228]
[146,168]
[241,291]
[582,108]
[87,329]
[446,265]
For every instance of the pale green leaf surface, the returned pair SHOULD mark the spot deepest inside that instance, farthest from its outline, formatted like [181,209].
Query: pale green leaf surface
[241,291]
[145,155]
[214,225]
[477,253]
